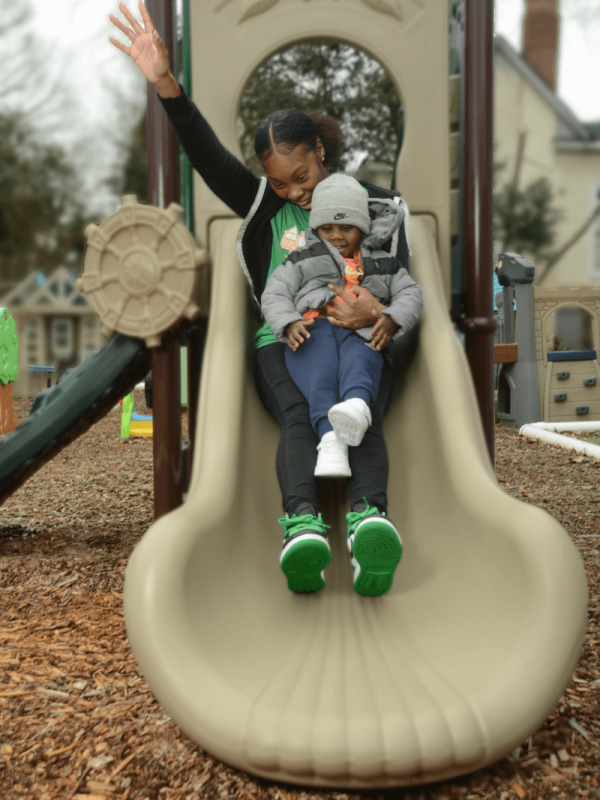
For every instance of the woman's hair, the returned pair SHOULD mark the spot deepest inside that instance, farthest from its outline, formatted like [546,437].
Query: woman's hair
[282,131]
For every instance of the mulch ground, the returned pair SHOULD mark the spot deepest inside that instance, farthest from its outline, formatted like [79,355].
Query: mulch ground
[77,719]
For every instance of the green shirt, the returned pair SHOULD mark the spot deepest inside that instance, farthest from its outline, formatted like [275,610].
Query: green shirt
[287,225]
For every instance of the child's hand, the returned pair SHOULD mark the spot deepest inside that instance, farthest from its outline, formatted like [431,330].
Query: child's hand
[383,330]
[295,332]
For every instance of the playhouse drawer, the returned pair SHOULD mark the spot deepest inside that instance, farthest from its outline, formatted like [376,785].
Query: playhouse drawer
[573,383]
[574,367]
[567,412]
[580,395]
[578,372]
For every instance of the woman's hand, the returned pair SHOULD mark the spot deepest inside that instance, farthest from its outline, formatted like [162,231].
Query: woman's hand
[383,330]
[295,332]
[146,50]
[356,311]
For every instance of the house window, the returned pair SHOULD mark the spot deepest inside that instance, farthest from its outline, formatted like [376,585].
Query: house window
[595,235]
[33,341]
[61,338]
[570,328]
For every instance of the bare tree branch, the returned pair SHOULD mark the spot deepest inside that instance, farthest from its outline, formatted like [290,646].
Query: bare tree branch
[556,257]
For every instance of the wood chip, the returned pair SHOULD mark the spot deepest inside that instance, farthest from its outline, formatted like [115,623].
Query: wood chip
[518,789]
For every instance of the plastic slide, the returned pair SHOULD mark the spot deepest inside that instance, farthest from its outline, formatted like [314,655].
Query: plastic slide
[452,669]
[59,415]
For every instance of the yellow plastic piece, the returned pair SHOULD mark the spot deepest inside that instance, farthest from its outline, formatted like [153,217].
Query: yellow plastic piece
[452,669]
[141,428]
[140,270]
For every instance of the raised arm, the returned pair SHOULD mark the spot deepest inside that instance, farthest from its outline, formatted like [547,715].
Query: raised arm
[224,174]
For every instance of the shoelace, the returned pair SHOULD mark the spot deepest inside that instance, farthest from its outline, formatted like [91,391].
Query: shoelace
[294,524]
[354,517]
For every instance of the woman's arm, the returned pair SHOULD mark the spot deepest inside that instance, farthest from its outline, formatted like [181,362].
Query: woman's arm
[224,174]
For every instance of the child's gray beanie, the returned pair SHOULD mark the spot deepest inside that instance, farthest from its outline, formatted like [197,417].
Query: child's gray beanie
[341,200]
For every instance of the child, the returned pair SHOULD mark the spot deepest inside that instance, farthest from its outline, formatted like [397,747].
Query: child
[336,369]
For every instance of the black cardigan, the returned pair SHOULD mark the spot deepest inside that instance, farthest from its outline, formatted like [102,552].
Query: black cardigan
[248,196]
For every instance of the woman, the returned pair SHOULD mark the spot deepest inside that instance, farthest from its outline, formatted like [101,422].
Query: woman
[295,150]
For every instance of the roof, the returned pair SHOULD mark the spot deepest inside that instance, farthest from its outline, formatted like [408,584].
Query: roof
[19,294]
[56,294]
[569,128]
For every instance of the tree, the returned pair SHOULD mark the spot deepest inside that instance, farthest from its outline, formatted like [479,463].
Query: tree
[28,90]
[130,176]
[9,357]
[41,218]
[525,219]
[330,78]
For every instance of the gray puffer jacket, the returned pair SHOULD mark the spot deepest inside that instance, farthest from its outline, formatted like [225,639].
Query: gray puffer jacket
[301,281]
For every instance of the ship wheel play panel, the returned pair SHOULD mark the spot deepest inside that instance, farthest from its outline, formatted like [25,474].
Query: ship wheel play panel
[140,270]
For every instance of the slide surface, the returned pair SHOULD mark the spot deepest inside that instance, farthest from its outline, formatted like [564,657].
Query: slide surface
[452,669]
[59,415]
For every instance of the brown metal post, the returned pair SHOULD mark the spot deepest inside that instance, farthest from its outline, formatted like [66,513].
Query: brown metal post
[166,387]
[479,323]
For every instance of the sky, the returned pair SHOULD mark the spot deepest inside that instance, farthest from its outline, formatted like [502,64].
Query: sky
[74,36]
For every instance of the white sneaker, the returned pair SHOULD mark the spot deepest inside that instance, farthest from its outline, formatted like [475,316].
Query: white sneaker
[350,420]
[332,459]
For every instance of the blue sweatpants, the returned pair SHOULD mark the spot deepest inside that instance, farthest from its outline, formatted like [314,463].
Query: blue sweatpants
[333,365]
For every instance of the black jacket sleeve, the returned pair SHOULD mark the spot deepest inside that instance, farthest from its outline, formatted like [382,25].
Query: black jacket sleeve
[223,173]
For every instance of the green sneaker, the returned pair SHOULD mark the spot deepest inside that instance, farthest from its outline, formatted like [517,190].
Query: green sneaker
[375,549]
[305,552]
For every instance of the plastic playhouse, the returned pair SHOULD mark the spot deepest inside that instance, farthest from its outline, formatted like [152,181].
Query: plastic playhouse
[133,424]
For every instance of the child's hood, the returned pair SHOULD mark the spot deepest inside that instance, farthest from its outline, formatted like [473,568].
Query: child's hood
[386,218]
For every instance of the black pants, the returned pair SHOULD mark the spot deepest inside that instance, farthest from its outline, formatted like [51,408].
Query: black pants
[297,451]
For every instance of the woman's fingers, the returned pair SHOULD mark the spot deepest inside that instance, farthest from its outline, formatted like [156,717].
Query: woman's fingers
[148,24]
[341,293]
[131,19]
[120,46]
[118,24]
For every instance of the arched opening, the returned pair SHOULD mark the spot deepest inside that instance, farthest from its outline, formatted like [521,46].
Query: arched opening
[504,394]
[335,79]
[570,328]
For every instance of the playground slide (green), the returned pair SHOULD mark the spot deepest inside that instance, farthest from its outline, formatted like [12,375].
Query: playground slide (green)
[59,415]
[448,672]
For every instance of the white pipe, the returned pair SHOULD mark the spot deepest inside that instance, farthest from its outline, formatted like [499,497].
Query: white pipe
[533,432]
[567,426]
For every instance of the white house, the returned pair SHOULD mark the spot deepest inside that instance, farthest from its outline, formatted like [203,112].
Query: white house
[555,143]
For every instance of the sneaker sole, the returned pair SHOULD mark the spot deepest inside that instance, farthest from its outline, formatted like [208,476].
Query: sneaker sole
[333,473]
[302,562]
[347,430]
[376,553]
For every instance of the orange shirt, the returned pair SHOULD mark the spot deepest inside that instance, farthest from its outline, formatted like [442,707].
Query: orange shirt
[353,275]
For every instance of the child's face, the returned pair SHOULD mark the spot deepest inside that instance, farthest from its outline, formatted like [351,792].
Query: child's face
[345,237]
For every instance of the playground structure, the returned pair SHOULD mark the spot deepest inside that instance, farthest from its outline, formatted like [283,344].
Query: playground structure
[553,374]
[427,681]
[569,379]
[462,660]
[518,401]
[133,424]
